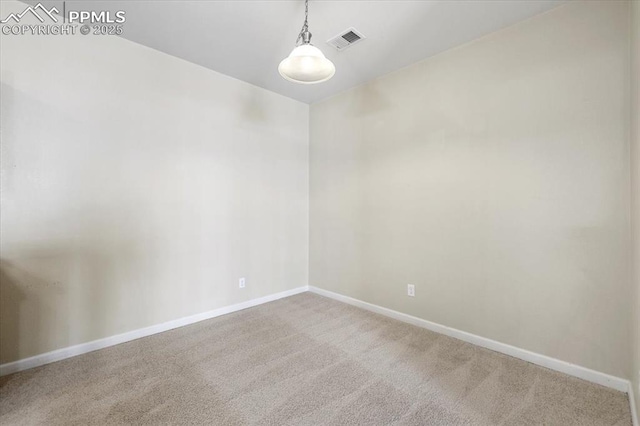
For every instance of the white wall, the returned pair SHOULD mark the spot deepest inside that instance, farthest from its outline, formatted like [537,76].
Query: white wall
[494,177]
[635,192]
[137,188]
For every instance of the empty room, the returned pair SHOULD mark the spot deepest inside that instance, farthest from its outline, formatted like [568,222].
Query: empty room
[320,212]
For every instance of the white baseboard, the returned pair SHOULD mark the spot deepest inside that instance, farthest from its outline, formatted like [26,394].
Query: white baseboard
[607,380]
[83,348]
[603,379]
[632,402]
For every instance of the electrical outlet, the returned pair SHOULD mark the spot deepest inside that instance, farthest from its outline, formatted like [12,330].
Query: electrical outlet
[241,282]
[411,290]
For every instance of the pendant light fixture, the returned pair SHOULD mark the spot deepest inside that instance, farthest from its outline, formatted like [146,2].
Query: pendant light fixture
[306,64]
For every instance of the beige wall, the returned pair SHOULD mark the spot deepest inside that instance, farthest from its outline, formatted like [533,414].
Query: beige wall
[635,191]
[495,178]
[137,188]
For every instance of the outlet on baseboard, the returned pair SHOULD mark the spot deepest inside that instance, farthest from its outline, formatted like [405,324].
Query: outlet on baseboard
[411,290]
[241,282]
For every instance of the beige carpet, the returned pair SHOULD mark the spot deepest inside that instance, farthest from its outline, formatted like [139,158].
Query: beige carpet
[303,360]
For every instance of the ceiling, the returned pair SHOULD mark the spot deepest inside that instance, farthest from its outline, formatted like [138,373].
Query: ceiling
[248,39]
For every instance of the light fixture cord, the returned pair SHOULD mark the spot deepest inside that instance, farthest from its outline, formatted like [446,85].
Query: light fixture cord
[305,25]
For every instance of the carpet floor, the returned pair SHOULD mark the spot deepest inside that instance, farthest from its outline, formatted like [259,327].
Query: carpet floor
[303,360]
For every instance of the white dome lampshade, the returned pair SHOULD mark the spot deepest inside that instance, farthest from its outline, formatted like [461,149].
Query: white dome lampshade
[306,65]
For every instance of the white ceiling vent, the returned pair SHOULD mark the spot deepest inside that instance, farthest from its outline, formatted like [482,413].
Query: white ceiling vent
[346,38]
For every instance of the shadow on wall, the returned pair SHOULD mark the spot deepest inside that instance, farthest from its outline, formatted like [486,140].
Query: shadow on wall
[369,100]
[24,320]
[11,298]
[54,297]
[255,109]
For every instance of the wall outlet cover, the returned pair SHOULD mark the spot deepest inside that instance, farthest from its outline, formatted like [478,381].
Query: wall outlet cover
[411,290]
[241,282]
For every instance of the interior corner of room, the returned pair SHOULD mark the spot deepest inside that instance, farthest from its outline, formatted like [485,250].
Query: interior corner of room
[455,195]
